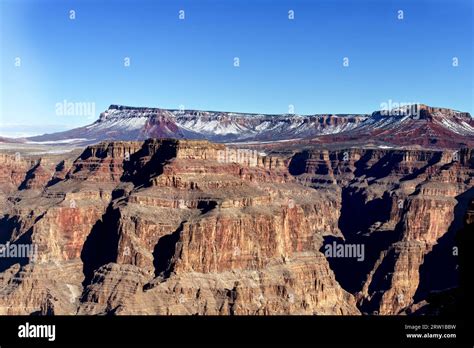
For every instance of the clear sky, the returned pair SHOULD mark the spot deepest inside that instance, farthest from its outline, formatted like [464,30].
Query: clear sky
[190,61]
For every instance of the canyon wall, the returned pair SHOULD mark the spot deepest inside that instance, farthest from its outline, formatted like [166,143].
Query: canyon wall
[167,226]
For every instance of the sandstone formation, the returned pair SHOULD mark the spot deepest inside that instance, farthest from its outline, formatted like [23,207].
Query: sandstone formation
[167,226]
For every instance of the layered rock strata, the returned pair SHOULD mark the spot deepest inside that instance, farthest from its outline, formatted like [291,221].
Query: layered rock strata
[178,227]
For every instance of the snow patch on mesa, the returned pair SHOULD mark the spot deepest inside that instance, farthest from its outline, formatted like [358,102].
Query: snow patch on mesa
[461,128]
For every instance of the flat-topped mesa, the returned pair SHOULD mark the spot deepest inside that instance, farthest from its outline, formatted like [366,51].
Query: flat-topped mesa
[103,162]
[115,149]
[124,107]
[397,109]
[204,113]
[107,161]
[396,124]
[445,111]
[220,125]
[198,149]
[180,149]
[421,111]
[327,161]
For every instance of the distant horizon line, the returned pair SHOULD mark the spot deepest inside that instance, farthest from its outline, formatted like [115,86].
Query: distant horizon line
[399,106]
[64,127]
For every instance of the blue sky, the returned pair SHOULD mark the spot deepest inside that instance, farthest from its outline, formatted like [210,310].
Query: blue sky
[190,62]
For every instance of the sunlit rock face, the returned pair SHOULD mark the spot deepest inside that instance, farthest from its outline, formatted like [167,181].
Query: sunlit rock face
[170,226]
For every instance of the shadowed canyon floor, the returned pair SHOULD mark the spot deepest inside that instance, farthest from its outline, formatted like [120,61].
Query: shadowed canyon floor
[166,226]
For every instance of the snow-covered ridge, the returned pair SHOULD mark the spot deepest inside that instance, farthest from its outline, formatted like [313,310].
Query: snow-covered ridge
[138,123]
[230,124]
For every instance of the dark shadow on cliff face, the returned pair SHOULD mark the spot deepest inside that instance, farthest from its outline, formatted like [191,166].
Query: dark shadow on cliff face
[206,206]
[386,165]
[357,215]
[23,242]
[59,168]
[29,176]
[438,271]
[164,252]
[351,273]
[440,303]
[381,168]
[361,166]
[456,302]
[10,227]
[355,222]
[140,171]
[8,224]
[381,282]
[465,243]
[101,245]
[297,165]
[433,160]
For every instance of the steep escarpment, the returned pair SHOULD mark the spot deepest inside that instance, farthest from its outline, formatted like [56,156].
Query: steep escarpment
[167,226]
[405,208]
[222,233]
